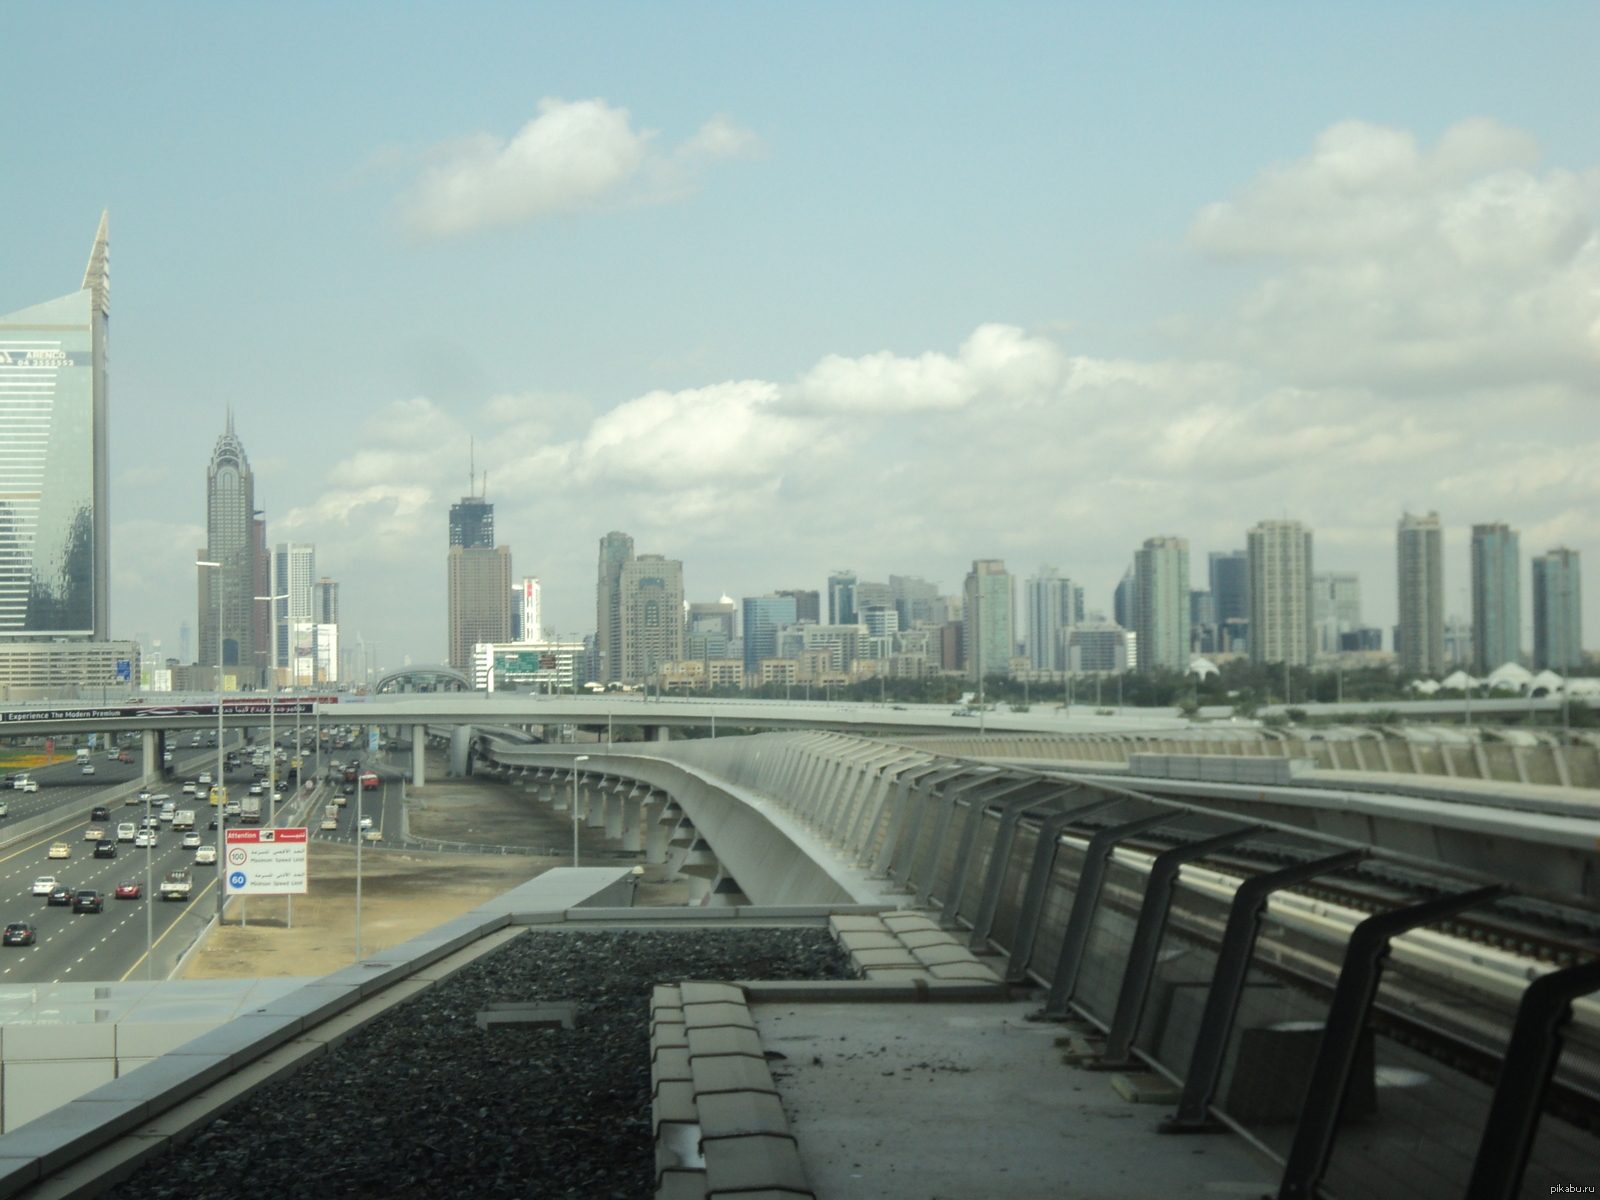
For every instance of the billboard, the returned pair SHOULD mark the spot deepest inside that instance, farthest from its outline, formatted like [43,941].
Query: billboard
[264,862]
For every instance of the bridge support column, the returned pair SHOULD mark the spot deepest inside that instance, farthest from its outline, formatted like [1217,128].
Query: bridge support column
[657,828]
[152,756]
[560,794]
[658,733]
[419,755]
[595,812]
[613,811]
[632,817]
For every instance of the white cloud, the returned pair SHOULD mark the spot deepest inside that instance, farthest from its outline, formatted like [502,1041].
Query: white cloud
[571,157]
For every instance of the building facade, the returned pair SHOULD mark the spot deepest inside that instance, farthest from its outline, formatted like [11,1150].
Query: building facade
[55,472]
[1419,552]
[1557,611]
[228,591]
[527,616]
[1230,599]
[616,551]
[1161,604]
[479,587]
[1335,607]
[472,523]
[842,598]
[1496,596]
[651,592]
[991,620]
[293,575]
[1280,560]
[1054,604]
[807,604]
[763,617]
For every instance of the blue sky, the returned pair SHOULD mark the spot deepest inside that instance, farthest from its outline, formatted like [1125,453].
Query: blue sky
[745,346]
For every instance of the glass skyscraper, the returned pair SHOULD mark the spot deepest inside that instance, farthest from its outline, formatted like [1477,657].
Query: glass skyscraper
[1496,596]
[54,476]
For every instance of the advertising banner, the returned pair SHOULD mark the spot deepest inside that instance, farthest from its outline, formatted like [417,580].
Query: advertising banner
[264,862]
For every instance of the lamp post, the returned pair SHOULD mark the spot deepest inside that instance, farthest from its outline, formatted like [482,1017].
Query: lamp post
[575,762]
[220,785]
[272,735]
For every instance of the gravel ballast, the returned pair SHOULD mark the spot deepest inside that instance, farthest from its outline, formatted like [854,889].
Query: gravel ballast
[422,1103]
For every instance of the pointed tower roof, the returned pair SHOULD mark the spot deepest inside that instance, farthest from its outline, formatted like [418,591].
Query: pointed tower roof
[97,275]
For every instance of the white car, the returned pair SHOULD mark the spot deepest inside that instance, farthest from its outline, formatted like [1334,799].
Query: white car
[126,832]
[205,856]
[25,785]
[366,822]
[204,780]
[144,838]
[191,841]
[168,811]
[44,885]
[189,788]
[87,769]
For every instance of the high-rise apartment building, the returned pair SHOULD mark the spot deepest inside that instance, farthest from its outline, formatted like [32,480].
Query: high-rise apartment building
[650,588]
[1230,599]
[1054,604]
[54,473]
[807,605]
[1335,607]
[616,551]
[293,575]
[1161,604]
[763,617]
[1557,610]
[479,600]
[233,542]
[991,618]
[1496,596]
[1419,549]
[325,601]
[1280,561]
[842,598]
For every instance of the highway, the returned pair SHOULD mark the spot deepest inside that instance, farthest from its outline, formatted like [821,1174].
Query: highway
[109,945]
[382,804]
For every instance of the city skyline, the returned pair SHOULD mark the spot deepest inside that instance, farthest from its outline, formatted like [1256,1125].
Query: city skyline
[1324,307]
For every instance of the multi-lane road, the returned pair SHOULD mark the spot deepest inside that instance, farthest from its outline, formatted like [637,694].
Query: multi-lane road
[382,804]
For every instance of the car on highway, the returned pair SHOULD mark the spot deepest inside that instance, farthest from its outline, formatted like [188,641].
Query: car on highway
[60,850]
[23,784]
[366,822]
[189,788]
[369,780]
[86,769]
[146,838]
[100,813]
[19,933]
[94,833]
[191,841]
[204,780]
[87,900]
[129,891]
[255,789]
[43,885]
[169,811]
[125,831]
[125,757]
[4,808]
[60,894]
[205,856]
[105,849]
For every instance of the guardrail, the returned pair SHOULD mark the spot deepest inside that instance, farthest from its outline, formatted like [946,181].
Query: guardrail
[1381,1024]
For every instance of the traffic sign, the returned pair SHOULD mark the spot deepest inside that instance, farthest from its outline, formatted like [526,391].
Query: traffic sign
[265,862]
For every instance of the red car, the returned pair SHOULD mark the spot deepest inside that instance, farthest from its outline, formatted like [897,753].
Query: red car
[129,891]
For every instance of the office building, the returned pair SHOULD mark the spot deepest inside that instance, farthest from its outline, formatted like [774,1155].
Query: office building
[807,605]
[1557,611]
[479,588]
[1280,562]
[1420,634]
[325,652]
[293,571]
[54,474]
[650,588]
[1161,604]
[991,618]
[1335,607]
[1054,604]
[325,601]
[842,598]
[1122,600]
[527,619]
[1457,642]
[872,595]
[1202,622]
[232,542]
[616,551]
[67,670]
[536,666]
[764,616]
[1097,647]
[1230,597]
[917,601]
[1496,597]
[718,616]
[472,523]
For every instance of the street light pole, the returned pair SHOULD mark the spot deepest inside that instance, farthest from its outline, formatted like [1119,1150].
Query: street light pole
[272,733]
[219,785]
[575,762]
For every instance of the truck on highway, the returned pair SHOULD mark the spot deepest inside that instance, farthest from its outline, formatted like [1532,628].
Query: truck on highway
[183,819]
[369,780]
[176,885]
[83,754]
[250,810]
[330,816]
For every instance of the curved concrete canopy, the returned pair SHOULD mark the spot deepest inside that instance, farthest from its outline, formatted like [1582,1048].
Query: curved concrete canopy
[423,679]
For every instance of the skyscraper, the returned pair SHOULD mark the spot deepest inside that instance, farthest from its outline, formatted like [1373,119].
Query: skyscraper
[1335,607]
[650,589]
[1161,603]
[842,598]
[294,568]
[616,551]
[1230,598]
[1419,546]
[807,604]
[1122,600]
[232,541]
[325,601]
[479,575]
[762,617]
[1496,596]
[1054,605]
[917,601]
[990,635]
[54,474]
[1557,611]
[1280,593]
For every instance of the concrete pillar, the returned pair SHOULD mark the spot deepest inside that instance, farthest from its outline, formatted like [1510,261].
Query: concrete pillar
[461,750]
[632,828]
[560,794]
[613,815]
[663,733]
[595,812]
[152,756]
[419,755]
[655,832]
[699,889]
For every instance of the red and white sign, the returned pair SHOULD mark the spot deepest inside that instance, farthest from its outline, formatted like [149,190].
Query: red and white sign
[264,862]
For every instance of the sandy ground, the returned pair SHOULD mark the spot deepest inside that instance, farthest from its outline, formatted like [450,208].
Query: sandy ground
[404,893]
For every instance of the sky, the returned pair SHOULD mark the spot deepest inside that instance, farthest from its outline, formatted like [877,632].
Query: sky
[784,289]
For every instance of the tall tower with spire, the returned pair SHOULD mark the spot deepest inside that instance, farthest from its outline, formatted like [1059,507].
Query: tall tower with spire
[55,475]
[232,541]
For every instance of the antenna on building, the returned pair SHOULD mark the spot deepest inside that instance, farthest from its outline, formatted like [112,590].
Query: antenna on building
[485,493]
[472,467]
